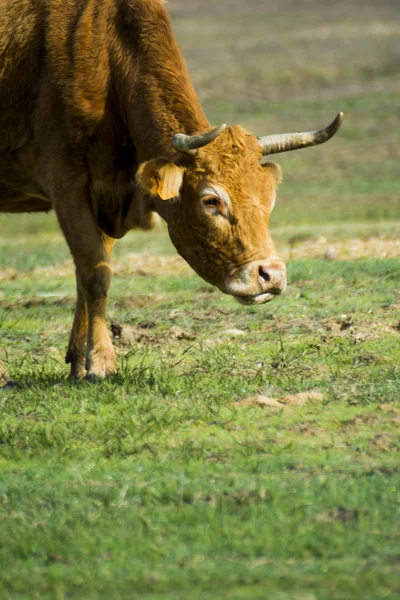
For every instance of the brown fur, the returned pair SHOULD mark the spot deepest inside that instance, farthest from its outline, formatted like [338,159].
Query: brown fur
[90,90]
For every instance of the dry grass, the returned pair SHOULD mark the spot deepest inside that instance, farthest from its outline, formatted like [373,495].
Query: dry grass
[148,265]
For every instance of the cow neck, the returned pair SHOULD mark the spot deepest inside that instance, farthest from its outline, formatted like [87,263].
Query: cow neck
[153,128]
[158,96]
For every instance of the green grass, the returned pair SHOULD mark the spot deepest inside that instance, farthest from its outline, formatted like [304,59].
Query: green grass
[159,483]
[156,483]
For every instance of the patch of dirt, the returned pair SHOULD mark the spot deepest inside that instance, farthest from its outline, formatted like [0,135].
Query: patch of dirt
[262,401]
[295,400]
[41,301]
[148,265]
[389,408]
[344,514]
[213,315]
[365,358]
[358,420]
[343,250]
[147,325]
[345,322]
[384,442]
[236,497]
[358,332]
[145,265]
[177,333]
[8,274]
[4,375]
[303,398]
[138,301]
[341,514]
[308,429]
[128,335]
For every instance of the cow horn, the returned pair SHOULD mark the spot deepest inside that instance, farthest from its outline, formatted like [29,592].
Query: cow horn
[190,143]
[272,144]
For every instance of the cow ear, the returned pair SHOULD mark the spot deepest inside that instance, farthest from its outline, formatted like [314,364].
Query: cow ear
[275,170]
[159,177]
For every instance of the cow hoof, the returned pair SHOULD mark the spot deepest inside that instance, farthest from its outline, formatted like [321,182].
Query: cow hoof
[101,364]
[76,375]
[97,375]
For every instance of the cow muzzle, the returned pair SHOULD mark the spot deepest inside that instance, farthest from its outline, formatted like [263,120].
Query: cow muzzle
[257,282]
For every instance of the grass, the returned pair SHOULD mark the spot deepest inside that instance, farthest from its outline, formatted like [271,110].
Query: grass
[160,482]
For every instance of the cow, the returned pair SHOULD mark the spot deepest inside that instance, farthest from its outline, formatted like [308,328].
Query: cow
[99,120]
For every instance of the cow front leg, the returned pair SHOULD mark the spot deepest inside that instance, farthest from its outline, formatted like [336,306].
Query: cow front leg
[76,354]
[100,353]
[91,251]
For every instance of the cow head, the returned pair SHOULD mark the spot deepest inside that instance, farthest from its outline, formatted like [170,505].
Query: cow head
[220,197]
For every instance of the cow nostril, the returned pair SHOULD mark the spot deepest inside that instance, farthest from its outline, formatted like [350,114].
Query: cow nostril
[265,276]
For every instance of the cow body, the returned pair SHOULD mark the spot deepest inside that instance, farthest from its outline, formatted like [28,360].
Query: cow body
[77,95]
[92,95]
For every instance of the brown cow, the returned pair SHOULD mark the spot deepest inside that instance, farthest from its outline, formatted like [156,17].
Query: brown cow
[99,120]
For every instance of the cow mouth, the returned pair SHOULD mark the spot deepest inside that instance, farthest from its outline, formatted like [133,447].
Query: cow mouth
[258,299]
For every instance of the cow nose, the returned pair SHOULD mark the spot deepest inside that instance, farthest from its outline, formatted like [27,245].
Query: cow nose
[264,274]
[272,276]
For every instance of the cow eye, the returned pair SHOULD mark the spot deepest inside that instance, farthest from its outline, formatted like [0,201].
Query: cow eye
[211,201]
[214,206]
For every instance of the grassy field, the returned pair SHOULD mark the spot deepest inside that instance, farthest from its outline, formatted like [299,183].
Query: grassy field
[171,480]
